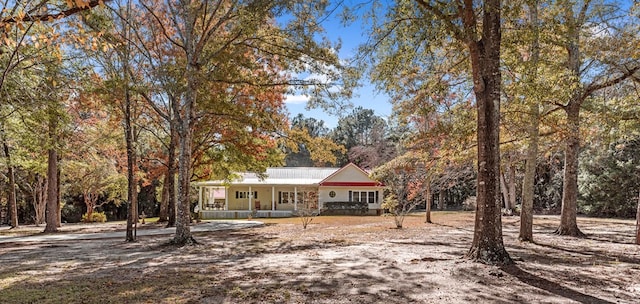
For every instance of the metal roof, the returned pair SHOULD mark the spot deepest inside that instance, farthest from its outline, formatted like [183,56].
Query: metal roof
[281,176]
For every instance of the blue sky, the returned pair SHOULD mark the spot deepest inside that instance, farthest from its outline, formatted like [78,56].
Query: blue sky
[365,96]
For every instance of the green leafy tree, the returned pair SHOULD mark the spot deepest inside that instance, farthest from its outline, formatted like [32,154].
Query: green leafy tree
[36,21]
[364,136]
[609,180]
[300,154]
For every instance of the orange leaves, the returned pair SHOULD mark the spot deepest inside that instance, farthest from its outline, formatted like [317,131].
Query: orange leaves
[81,3]
[78,3]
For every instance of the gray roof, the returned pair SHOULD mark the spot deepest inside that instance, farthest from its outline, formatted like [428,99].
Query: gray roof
[282,176]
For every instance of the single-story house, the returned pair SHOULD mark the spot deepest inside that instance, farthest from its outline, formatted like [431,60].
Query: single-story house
[286,191]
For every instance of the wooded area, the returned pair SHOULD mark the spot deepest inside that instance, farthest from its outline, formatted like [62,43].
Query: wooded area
[111,109]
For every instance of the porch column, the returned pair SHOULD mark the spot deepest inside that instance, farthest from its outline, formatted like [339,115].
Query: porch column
[200,198]
[226,198]
[273,198]
[250,196]
[295,198]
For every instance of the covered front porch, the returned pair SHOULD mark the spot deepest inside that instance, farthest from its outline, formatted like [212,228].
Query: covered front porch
[255,201]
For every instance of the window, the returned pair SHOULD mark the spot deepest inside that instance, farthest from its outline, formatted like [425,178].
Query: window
[286,197]
[289,197]
[332,193]
[245,194]
[370,197]
[357,196]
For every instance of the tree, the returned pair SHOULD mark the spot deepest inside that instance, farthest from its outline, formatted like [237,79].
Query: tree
[307,143]
[114,59]
[94,169]
[638,221]
[17,20]
[96,180]
[363,134]
[54,114]
[11,192]
[30,158]
[595,59]
[609,179]
[527,83]
[413,29]
[300,155]
[212,41]
[403,178]
[309,207]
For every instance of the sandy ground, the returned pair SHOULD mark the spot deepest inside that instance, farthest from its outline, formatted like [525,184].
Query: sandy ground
[335,260]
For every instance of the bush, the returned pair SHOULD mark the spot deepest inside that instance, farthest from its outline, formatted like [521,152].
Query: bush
[609,180]
[71,213]
[96,217]
[345,208]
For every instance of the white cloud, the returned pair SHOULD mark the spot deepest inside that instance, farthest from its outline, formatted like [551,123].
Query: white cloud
[296,99]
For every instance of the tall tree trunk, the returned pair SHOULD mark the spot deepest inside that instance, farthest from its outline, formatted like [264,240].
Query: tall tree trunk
[39,199]
[89,202]
[511,186]
[132,185]
[533,131]
[504,190]
[568,221]
[508,184]
[183,215]
[508,188]
[429,201]
[171,176]
[638,221]
[58,193]
[51,212]
[528,184]
[163,215]
[129,130]
[11,191]
[568,217]
[487,246]
[441,198]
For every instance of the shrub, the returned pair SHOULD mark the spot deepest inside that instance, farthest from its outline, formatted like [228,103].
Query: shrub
[96,217]
[71,213]
[345,208]
[609,179]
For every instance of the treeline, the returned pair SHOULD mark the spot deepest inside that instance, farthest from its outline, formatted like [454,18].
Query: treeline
[608,175]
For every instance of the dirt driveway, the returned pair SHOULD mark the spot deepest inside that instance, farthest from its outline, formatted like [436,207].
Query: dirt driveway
[335,260]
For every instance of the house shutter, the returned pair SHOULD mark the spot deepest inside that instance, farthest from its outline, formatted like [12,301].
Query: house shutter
[377,197]
[237,194]
[350,196]
[279,197]
[255,194]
